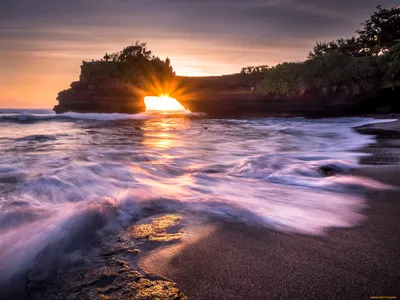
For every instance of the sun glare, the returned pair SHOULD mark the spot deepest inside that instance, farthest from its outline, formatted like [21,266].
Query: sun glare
[162,103]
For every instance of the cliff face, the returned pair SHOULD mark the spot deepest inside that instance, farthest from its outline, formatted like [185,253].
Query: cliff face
[239,95]
[230,95]
[100,92]
[84,98]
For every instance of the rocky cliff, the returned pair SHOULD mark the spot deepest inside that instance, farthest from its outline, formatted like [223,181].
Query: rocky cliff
[99,91]
[228,95]
[240,95]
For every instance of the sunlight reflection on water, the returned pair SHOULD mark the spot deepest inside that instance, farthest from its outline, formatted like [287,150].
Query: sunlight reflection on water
[60,176]
[163,104]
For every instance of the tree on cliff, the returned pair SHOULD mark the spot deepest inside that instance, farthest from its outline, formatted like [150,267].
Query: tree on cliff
[324,74]
[106,57]
[134,53]
[168,66]
[254,69]
[391,63]
[381,31]
[349,47]
[136,65]
[357,63]
[130,54]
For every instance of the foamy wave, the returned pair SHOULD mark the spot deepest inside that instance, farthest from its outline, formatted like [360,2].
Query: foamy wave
[104,117]
[26,117]
[50,234]
[296,171]
[84,181]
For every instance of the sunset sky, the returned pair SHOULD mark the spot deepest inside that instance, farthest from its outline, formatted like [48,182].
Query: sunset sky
[43,42]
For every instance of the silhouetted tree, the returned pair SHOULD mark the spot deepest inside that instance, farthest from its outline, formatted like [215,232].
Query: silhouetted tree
[391,63]
[254,69]
[349,47]
[381,31]
[137,65]
[378,34]
[106,57]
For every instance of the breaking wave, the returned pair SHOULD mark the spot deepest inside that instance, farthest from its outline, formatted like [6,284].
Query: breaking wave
[47,115]
[65,186]
[21,117]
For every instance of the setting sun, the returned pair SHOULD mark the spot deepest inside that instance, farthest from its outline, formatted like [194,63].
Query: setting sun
[163,103]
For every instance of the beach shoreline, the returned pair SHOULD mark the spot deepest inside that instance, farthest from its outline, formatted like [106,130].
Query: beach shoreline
[238,261]
[202,257]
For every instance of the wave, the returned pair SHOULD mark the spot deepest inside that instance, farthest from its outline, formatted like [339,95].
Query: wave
[31,117]
[24,117]
[89,182]
[68,221]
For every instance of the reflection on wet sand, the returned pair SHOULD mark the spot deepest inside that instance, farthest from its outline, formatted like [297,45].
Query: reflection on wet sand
[111,175]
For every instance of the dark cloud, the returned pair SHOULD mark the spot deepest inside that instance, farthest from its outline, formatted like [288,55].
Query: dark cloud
[231,18]
[52,37]
[261,23]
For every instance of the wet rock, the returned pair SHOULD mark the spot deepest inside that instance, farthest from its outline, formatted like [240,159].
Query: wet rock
[114,281]
[133,251]
[112,273]
[157,229]
[329,170]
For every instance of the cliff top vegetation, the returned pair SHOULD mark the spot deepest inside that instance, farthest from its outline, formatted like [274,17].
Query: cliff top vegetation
[135,65]
[365,60]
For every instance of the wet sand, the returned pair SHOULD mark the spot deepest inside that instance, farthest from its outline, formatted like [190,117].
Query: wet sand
[235,261]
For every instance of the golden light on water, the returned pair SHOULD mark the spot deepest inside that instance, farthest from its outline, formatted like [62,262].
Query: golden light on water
[163,103]
[164,133]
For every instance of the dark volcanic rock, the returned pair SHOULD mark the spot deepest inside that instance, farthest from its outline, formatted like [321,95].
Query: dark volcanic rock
[236,95]
[83,97]
[239,95]
[112,272]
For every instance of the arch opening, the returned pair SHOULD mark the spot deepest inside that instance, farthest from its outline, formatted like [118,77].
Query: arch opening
[163,104]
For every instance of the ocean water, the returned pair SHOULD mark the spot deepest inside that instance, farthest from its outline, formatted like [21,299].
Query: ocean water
[68,180]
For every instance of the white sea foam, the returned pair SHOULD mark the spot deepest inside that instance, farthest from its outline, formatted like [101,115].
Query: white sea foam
[60,181]
[25,117]
[103,117]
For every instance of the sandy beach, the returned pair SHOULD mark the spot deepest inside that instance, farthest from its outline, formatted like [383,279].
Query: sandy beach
[235,261]
[157,150]
[342,242]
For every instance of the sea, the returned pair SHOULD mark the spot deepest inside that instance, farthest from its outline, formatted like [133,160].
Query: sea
[65,178]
